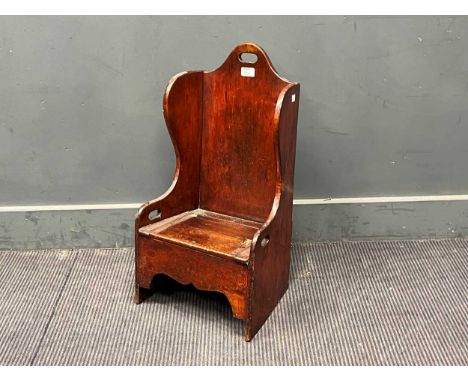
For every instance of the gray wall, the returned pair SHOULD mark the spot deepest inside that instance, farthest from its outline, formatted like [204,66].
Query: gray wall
[383,109]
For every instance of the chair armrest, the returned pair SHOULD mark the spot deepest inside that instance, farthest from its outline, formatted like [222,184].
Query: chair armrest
[175,201]
[261,238]
[153,207]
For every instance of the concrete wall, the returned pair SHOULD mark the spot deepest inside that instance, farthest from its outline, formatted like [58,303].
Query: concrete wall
[383,113]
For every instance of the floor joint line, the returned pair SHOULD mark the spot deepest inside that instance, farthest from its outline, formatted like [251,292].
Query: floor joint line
[54,308]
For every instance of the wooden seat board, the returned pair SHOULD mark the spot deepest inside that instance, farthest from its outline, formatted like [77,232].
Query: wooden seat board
[207,231]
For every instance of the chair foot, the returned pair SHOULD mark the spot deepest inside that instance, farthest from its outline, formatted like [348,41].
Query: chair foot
[141,294]
[248,333]
[257,316]
[251,328]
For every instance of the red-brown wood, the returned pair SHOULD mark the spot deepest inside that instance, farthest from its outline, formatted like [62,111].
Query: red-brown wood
[189,266]
[225,223]
[214,233]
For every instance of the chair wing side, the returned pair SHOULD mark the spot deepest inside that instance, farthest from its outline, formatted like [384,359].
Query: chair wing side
[286,114]
[182,107]
[270,256]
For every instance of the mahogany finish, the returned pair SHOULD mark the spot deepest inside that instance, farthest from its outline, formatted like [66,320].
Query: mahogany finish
[225,223]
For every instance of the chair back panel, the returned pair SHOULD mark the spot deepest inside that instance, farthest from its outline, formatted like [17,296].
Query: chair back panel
[238,157]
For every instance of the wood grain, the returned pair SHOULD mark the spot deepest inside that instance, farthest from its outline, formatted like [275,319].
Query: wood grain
[189,266]
[204,230]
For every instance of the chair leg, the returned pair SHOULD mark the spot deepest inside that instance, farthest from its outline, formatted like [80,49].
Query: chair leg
[141,294]
[260,312]
[248,332]
[254,323]
[256,318]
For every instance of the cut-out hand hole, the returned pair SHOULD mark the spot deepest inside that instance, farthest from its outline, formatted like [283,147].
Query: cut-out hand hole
[153,215]
[248,58]
[264,241]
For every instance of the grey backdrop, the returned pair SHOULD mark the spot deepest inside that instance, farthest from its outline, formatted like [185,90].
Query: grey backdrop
[383,109]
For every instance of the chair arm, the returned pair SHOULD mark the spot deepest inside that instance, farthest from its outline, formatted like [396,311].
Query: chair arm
[261,238]
[175,201]
[154,208]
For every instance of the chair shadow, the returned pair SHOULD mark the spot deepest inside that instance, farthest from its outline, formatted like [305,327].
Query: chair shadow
[215,305]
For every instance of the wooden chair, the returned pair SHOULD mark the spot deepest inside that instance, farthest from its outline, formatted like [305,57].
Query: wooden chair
[225,223]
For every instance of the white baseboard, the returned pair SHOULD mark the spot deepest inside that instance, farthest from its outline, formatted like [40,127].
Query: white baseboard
[71,207]
[383,199]
[319,201]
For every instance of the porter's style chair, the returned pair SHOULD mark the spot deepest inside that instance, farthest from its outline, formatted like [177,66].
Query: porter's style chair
[225,223]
